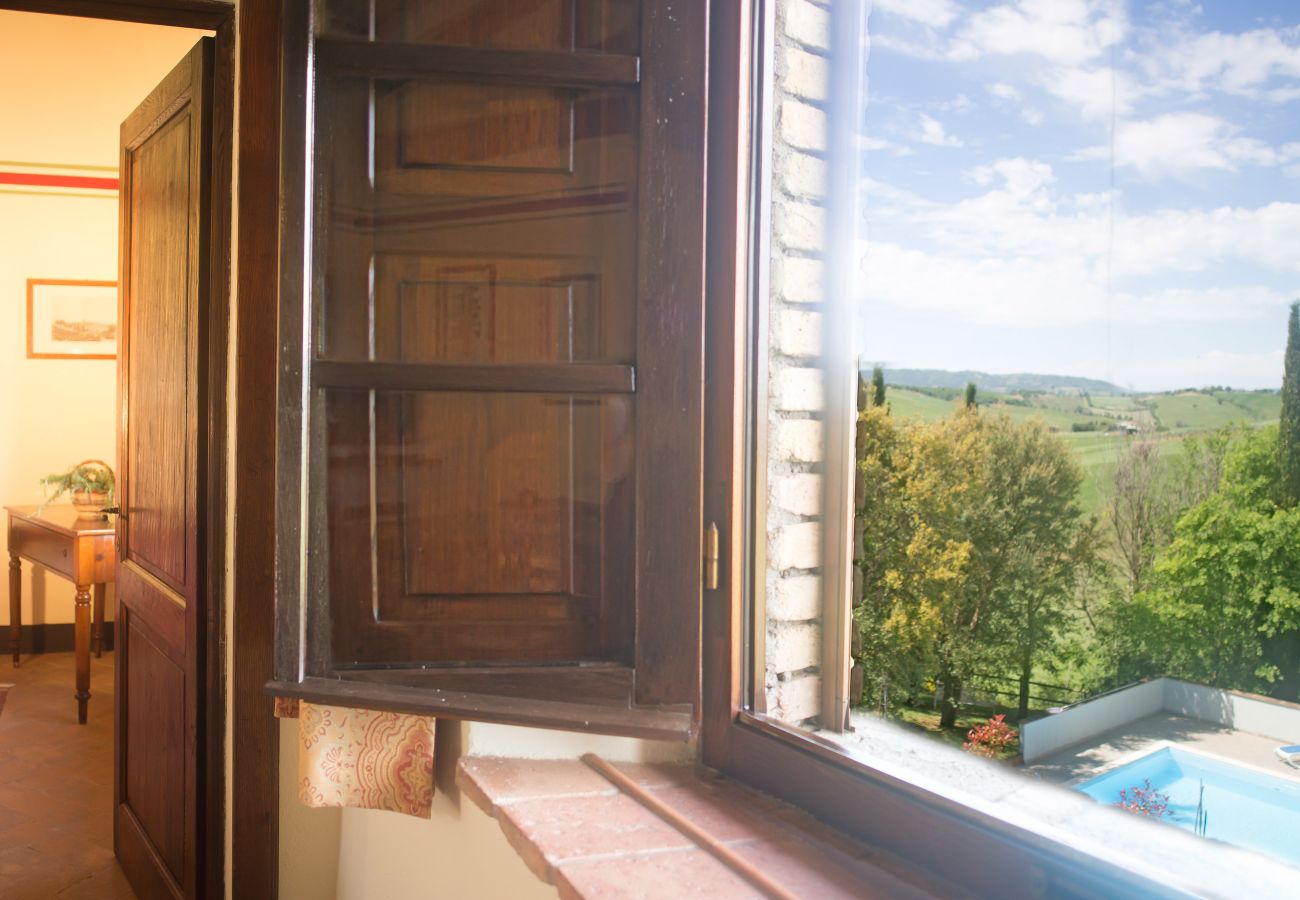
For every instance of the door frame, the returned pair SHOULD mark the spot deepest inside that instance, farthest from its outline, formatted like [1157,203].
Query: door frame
[257,851]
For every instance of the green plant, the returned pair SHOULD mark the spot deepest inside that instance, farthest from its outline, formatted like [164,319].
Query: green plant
[90,476]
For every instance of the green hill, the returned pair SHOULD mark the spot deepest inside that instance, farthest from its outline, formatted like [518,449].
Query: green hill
[1094,423]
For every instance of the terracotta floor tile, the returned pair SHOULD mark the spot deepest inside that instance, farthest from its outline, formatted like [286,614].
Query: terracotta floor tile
[688,873]
[56,784]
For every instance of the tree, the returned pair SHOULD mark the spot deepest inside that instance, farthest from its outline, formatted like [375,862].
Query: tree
[1289,435]
[1031,542]
[971,544]
[1141,511]
[970,395]
[877,386]
[1224,605]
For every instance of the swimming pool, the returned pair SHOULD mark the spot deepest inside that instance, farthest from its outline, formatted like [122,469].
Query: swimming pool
[1243,807]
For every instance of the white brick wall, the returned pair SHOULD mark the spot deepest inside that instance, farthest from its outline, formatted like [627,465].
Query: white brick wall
[796,387]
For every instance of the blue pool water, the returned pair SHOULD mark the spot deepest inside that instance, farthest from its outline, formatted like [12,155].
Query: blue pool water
[1243,807]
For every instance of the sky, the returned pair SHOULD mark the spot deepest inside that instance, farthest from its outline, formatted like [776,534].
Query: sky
[1099,188]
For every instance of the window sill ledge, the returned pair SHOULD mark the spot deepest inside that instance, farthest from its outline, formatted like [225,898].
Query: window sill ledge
[539,696]
[581,833]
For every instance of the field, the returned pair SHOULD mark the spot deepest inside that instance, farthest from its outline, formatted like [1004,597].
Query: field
[1088,421]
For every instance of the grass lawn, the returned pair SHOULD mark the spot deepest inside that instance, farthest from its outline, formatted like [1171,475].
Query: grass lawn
[927,720]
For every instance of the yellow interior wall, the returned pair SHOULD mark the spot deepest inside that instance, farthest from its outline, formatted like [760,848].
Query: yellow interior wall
[65,86]
[459,852]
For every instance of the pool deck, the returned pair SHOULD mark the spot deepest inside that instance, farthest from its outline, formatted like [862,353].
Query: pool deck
[1137,738]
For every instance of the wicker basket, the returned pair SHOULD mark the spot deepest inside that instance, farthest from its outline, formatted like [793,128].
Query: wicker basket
[90,504]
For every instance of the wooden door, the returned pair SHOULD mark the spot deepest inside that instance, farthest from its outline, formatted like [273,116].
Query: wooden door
[163,272]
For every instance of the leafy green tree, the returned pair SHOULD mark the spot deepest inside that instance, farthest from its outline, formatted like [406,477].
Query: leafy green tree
[971,543]
[1031,541]
[1224,608]
[1289,437]
[877,386]
[970,395]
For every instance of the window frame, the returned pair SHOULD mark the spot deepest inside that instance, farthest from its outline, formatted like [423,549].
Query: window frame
[663,679]
[970,849]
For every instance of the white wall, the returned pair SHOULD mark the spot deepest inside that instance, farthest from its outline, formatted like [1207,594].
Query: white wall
[65,86]
[1043,737]
[460,852]
[1269,718]
[1256,715]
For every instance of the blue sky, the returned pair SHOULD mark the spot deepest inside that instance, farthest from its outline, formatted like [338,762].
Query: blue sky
[998,235]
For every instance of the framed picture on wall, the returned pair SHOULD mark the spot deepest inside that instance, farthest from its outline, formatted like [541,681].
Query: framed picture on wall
[69,319]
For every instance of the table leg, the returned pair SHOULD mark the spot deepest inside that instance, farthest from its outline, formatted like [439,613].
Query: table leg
[97,639]
[83,651]
[15,605]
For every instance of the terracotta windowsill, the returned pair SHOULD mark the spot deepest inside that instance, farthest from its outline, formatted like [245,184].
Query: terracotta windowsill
[578,831]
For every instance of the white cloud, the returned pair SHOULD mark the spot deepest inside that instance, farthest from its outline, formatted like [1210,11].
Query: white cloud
[1177,144]
[932,13]
[875,144]
[1020,254]
[1004,91]
[1093,92]
[932,132]
[1239,64]
[1068,32]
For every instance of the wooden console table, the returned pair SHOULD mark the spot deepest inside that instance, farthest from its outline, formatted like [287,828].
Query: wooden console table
[80,550]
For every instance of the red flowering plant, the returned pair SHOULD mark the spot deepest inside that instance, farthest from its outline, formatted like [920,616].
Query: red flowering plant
[1144,801]
[991,738]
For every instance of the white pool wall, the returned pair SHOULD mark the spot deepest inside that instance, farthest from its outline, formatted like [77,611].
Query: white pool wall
[1085,721]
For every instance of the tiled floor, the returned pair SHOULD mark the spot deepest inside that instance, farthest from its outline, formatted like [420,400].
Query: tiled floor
[56,784]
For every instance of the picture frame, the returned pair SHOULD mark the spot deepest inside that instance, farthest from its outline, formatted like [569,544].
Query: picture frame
[71,319]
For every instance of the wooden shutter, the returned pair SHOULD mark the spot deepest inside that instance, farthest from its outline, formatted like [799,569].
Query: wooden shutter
[492,325]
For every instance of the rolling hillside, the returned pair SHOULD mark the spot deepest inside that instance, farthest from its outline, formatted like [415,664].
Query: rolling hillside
[1088,421]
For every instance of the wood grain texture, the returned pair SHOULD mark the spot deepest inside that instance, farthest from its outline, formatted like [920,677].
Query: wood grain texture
[609,25]
[155,778]
[730,293]
[418,692]
[254,763]
[164,267]
[586,378]
[670,352]
[394,59]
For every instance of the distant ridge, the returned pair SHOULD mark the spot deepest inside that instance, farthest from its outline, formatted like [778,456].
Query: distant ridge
[1006,384]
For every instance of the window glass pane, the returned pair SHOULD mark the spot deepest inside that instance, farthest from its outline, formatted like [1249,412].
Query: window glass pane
[485,515]
[1019,454]
[477,223]
[611,26]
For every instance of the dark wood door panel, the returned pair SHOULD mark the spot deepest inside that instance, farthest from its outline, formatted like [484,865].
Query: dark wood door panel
[155,534]
[156,755]
[498,309]
[452,139]
[162,612]
[160,679]
[606,25]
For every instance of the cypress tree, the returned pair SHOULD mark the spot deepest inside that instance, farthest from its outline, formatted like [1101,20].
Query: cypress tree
[1289,433]
[877,386]
[970,395]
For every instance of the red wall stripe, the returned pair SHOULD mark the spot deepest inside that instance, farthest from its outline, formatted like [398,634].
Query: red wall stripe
[63,181]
